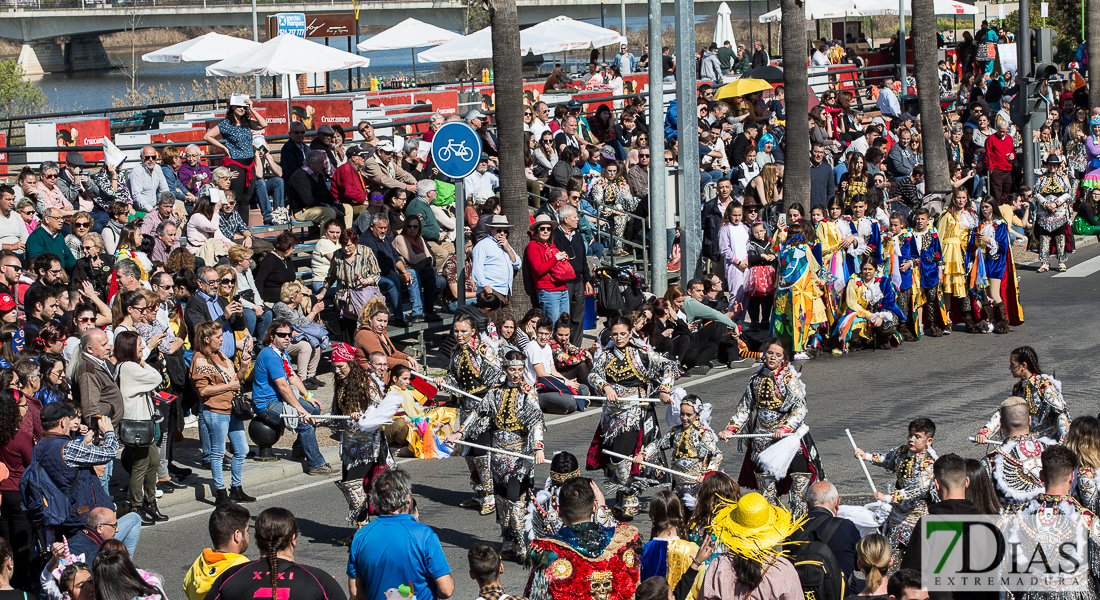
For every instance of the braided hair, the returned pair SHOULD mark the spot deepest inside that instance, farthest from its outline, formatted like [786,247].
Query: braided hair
[1027,356]
[276,529]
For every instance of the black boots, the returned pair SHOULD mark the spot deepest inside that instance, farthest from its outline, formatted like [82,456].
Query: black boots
[236,494]
[149,509]
[221,497]
[1000,318]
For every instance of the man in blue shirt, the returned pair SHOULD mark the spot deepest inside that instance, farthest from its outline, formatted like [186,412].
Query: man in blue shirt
[393,273]
[274,384]
[395,551]
[495,263]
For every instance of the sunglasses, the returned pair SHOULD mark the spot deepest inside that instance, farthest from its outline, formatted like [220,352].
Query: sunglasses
[527,114]
[82,224]
[544,229]
[88,320]
[282,334]
[226,280]
[148,157]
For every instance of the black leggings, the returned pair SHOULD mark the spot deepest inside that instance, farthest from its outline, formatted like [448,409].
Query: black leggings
[626,442]
[760,308]
[485,439]
[15,528]
[512,489]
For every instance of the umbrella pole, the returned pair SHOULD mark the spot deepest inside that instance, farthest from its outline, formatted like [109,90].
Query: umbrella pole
[412,51]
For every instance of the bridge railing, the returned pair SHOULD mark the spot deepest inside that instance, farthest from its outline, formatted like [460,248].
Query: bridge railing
[151,4]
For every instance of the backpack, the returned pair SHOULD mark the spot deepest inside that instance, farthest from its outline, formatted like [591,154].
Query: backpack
[43,502]
[818,571]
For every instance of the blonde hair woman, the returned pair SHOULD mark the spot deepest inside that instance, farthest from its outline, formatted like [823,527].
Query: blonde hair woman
[765,186]
[873,559]
[291,307]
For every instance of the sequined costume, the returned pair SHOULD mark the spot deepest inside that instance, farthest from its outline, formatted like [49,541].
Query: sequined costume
[608,196]
[799,307]
[1046,405]
[1064,523]
[926,293]
[511,415]
[954,232]
[1053,192]
[835,267]
[1014,468]
[586,561]
[694,451]
[626,427]
[777,401]
[1086,488]
[474,368]
[360,448]
[867,301]
[913,491]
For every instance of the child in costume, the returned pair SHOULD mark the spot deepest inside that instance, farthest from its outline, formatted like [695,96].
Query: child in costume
[427,429]
[667,554]
[915,486]
[693,443]
[925,295]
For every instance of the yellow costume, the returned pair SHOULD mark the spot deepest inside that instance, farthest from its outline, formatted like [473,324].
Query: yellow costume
[426,429]
[954,233]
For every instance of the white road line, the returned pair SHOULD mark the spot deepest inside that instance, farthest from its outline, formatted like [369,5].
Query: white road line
[573,417]
[1084,269]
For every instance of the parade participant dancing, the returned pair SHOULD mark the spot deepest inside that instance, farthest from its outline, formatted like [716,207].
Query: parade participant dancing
[775,399]
[954,229]
[1002,292]
[1054,193]
[545,516]
[694,447]
[511,416]
[799,308]
[364,455]
[1042,393]
[474,368]
[622,371]
[1014,465]
[914,489]
[926,294]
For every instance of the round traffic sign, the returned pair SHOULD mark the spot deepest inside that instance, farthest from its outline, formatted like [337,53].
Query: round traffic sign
[456,149]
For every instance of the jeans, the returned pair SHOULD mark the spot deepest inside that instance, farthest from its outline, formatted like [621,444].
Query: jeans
[271,191]
[261,324]
[428,284]
[105,479]
[453,305]
[220,426]
[978,187]
[307,434]
[128,532]
[204,437]
[595,249]
[250,319]
[100,219]
[553,304]
[390,286]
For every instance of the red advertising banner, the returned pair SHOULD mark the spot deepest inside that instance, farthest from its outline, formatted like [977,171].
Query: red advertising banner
[275,115]
[83,132]
[180,135]
[444,102]
[3,155]
[314,112]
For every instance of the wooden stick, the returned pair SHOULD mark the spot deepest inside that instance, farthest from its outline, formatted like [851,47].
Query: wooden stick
[498,451]
[650,465]
[994,442]
[862,463]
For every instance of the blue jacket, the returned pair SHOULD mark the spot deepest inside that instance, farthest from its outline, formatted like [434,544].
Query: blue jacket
[89,493]
[671,121]
[174,184]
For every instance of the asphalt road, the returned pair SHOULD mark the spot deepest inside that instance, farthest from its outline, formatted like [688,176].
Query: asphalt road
[957,380]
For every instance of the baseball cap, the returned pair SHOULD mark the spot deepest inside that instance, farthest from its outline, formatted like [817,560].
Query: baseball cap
[6,302]
[472,114]
[258,141]
[385,146]
[55,411]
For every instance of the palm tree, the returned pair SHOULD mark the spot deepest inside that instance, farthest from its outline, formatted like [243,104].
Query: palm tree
[796,173]
[927,75]
[1093,42]
[508,84]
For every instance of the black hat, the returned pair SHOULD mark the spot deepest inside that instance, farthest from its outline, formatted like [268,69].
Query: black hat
[75,159]
[55,411]
[326,129]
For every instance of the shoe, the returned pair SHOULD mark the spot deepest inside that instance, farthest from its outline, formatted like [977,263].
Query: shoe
[325,469]
[309,384]
[236,494]
[699,370]
[150,508]
[488,505]
[146,520]
[221,497]
[205,464]
[159,494]
[399,323]
[181,472]
[316,381]
[1062,267]
[907,336]
[416,319]
[673,268]
[715,363]
[474,502]
[734,362]
[190,422]
[432,317]
[1043,268]
[170,485]
[801,356]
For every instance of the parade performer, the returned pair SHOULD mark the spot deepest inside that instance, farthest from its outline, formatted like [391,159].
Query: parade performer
[667,554]
[426,428]
[866,231]
[694,447]
[799,307]
[835,267]
[511,415]
[544,516]
[873,313]
[1054,194]
[474,368]
[584,560]
[624,370]
[365,455]
[1042,393]
[1092,149]
[991,240]
[954,230]
[926,296]
[1084,440]
[915,487]
[1014,465]
[776,398]
[899,260]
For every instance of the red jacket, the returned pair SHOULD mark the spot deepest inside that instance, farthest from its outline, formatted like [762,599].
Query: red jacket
[997,151]
[541,259]
[347,185]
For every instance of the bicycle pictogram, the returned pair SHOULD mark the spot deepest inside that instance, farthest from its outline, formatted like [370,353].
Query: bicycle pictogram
[459,150]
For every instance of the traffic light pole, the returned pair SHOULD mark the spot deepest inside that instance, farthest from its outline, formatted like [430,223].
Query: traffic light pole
[1024,66]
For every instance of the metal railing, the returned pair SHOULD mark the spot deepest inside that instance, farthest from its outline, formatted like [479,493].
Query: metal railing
[153,4]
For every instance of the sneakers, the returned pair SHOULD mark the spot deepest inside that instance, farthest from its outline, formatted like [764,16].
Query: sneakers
[1043,268]
[699,370]
[314,381]
[801,356]
[324,470]
[190,422]
[1061,266]
[310,384]
[431,317]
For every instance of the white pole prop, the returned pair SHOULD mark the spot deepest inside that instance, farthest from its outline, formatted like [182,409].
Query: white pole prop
[994,442]
[449,388]
[861,462]
[491,449]
[649,464]
[757,435]
[621,399]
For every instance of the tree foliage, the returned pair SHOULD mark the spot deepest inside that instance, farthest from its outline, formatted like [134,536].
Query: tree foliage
[1064,19]
[17,95]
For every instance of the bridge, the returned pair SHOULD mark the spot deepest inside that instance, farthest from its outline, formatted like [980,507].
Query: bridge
[39,23]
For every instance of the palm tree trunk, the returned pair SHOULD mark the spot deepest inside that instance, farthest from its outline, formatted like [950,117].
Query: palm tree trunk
[1093,31]
[508,84]
[928,87]
[796,173]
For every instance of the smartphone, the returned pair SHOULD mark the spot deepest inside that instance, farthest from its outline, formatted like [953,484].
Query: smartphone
[237,297]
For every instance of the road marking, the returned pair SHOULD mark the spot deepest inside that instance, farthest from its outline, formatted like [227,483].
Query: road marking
[566,419]
[1084,269]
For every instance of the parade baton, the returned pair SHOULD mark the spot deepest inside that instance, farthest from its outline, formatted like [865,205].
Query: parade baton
[756,435]
[994,442]
[621,399]
[862,463]
[290,417]
[650,465]
[449,388]
[491,449]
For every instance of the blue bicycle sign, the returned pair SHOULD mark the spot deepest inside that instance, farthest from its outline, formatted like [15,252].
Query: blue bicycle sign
[456,149]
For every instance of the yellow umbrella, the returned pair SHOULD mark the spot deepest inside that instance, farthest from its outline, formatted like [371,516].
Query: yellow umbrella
[742,87]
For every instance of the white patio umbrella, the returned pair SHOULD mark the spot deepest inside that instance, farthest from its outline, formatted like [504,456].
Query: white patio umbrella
[410,34]
[820,9]
[892,7]
[210,47]
[559,34]
[287,55]
[723,28]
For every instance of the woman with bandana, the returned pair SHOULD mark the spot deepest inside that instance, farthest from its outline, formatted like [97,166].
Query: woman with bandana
[626,370]
[474,369]
[511,417]
[694,447]
[775,403]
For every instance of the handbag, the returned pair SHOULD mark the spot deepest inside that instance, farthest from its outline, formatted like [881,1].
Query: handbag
[240,408]
[352,300]
[562,272]
[761,281]
[136,433]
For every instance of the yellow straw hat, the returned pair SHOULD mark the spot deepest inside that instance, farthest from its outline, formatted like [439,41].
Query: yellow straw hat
[753,528]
